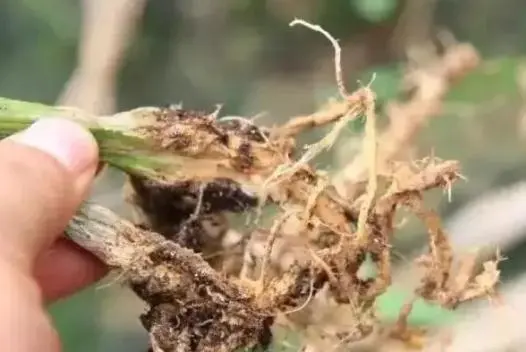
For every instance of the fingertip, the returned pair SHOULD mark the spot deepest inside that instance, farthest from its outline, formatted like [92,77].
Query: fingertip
[68,142]
[47,170]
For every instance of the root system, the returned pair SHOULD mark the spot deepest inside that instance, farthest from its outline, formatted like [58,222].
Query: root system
[211,288]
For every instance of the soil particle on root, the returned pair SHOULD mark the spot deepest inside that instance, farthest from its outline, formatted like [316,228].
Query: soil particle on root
[197,134]
[166,201]
[192,307]
[248,130]
[190,213]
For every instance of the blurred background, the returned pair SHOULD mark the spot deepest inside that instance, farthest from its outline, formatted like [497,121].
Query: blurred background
[110,55]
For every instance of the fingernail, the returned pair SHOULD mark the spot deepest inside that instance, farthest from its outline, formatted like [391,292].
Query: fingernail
[69,143]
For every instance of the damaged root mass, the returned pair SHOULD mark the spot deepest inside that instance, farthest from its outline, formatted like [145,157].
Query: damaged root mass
[317,244]
[195,308]
[191,307]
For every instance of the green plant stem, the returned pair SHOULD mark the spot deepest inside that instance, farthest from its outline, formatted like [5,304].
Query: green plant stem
[120,144]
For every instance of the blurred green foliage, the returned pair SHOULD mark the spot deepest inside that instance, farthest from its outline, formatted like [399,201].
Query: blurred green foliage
[79,331]
[375,10]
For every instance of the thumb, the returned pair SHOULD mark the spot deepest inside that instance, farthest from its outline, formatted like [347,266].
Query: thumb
[45,172]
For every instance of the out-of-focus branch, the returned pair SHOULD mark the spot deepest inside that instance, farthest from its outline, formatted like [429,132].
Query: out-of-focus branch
[106,31]
[415,24]
[107,28]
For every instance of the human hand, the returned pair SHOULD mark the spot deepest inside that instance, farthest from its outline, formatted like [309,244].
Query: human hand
[45,173]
